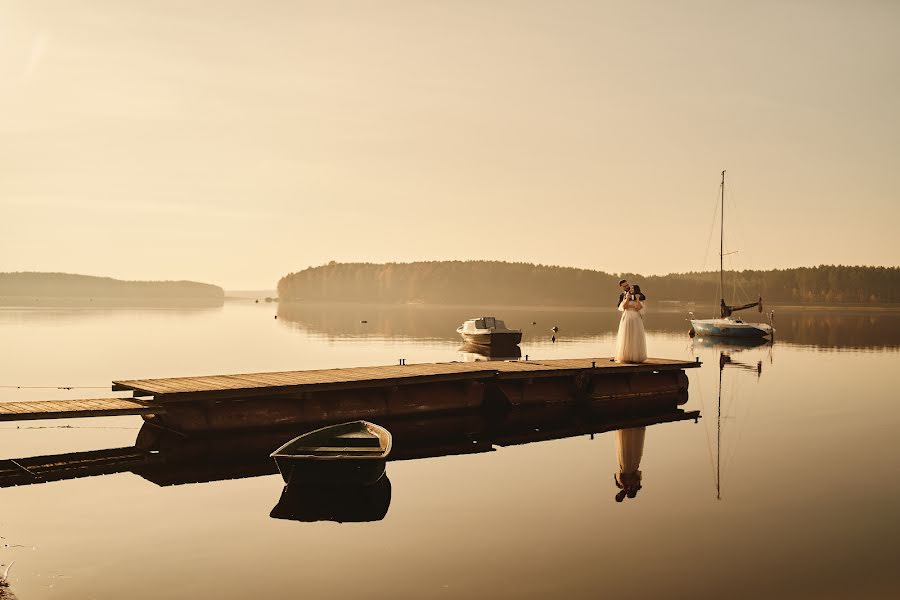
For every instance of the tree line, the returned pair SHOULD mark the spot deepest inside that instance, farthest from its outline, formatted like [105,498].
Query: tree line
[525,284]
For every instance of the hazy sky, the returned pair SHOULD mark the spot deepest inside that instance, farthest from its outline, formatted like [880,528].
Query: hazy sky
[234,142]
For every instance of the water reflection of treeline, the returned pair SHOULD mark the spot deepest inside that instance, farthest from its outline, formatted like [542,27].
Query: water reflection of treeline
[822,328]
[503,283]
[66,287]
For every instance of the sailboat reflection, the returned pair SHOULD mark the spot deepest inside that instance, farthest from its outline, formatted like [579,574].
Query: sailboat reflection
[341,504]
[629,451]
[735,344]
[725,360]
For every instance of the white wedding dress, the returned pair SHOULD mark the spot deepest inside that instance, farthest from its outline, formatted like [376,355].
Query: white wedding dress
[631,343]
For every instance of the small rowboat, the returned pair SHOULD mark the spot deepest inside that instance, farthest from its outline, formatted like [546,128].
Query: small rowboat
[347,454]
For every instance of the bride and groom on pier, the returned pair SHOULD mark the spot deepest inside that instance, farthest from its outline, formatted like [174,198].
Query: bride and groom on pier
[631,342]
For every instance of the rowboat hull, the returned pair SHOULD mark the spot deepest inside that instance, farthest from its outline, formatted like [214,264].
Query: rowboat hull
[730,328]
[346,472]
[350,454]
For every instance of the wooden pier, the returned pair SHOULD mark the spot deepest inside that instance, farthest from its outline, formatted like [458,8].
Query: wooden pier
[260,400]
[249,384]
[73,409]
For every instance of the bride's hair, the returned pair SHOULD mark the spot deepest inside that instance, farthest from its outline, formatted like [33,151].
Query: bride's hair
[635,289]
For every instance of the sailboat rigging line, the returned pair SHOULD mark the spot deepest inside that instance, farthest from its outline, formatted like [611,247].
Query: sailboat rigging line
[55,387]
[740,242]
[737,284]
[712,226]
[738,218]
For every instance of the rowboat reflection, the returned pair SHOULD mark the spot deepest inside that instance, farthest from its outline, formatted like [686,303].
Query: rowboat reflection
[341,504]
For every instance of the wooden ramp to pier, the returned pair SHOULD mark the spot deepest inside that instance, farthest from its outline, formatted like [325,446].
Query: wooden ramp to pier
[73,409]
[217,387]
[57,467]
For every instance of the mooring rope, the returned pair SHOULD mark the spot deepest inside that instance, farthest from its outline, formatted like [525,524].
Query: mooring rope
[55,387]
[69,426]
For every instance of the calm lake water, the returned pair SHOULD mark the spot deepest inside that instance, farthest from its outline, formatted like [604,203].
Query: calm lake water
[806,506]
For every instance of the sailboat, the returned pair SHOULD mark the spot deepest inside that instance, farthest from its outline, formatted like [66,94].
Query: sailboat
[726,325]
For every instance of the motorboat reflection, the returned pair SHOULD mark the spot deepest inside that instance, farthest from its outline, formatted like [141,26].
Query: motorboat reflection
[476,352]
[340,504]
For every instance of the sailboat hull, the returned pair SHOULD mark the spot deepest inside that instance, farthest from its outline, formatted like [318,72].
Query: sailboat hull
[730,328]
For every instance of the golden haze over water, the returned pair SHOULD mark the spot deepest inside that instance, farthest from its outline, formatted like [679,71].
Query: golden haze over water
[238,143]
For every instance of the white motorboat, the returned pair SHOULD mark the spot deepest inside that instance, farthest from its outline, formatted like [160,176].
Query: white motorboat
[489,331]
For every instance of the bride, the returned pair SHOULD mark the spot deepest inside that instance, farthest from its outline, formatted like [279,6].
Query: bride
[631,343]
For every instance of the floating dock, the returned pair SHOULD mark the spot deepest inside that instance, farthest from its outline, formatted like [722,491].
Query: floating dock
[262,400]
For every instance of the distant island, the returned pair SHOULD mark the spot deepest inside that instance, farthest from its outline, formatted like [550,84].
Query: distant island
[41,286]
[523,284]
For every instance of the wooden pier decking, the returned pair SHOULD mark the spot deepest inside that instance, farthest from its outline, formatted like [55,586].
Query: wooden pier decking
[73,409]
[249,384]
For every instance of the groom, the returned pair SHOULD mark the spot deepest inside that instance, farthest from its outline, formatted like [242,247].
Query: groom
[626,287]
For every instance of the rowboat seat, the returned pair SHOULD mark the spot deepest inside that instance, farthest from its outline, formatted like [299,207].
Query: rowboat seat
[336,450]
[358,438]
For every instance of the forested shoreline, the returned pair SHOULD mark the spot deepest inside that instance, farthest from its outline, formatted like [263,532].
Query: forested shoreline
[524,284]
[66,285]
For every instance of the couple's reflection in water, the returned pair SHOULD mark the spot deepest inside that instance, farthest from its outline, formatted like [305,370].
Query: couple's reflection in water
[629,451]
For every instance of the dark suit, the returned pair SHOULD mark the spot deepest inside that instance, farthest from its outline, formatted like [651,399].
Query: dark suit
[641,297]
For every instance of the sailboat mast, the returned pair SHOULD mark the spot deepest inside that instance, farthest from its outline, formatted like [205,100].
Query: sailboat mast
[722,242]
